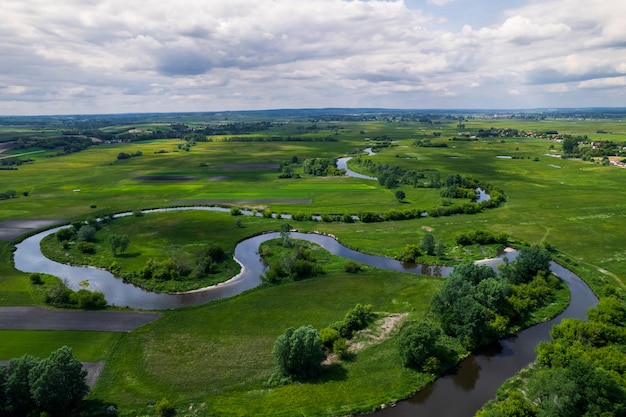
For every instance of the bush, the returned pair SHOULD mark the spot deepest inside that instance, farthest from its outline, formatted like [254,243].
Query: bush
[165,409]
[328,336]
[86,247]
[340,347]
[352,267]
[88,300]
[35,279]
[86,233]
[65,234]
[355,319]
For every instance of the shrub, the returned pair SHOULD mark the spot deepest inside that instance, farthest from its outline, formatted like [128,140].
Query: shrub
[86,233]
[65,234]
[328,336]
[165,409]
[355,319]
[86,247]
[340,347]
[35,279]
[352,267]
[88,300]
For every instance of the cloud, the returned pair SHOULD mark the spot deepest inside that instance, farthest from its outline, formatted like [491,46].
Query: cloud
[116,55]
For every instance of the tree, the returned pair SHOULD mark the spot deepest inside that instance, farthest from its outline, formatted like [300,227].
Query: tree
[417,343]
[86,233]
[298,352]
[285,230]
[58,382]
[119,242]
[529,261]
[65,234]
[428,244]
[400,195]
[570,146]
[18,400]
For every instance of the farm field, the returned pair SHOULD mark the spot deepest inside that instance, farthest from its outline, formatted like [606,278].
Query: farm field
[216,357]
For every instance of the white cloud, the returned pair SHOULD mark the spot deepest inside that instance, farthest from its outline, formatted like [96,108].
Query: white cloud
[120,55]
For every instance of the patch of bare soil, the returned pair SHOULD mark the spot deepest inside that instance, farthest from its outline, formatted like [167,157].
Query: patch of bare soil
[427,228]
[376,333]
[10,229]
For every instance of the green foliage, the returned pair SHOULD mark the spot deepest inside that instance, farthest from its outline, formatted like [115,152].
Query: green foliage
[61,296]
[88,300]
[410,253]
[298,353]
[53,386]
[340,347]
[428,244]
[86,233]
[529,261]
[321,167]
[515,405]
[578,390]
[481,237]
[17,399]
[400,195]
[328,335]
[164,408]
[352,267]
[65,234]
[86,247]
[356,318]
[35,279]
[419,347]
[118,243]
[57,383]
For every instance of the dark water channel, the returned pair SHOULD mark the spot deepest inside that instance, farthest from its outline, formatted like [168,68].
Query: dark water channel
[459,394]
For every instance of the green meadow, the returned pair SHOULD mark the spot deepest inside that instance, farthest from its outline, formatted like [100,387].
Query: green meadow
[216,357]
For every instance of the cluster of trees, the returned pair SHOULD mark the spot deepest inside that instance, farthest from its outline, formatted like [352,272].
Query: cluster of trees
[426,143]
[8,194]
[180,266]
[481,237]
[299,263]
[280,139]
[11,164]
[62,296]
[124,155]
[572,149]
[429,246]
[580,372]
[54,386]
[299,353]
[475,306]
[321,167]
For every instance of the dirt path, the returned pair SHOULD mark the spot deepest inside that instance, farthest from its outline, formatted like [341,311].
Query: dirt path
[37,318]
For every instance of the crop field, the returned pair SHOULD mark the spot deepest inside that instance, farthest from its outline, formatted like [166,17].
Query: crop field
[216,357]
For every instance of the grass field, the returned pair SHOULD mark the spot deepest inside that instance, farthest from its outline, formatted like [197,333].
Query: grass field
[219,354]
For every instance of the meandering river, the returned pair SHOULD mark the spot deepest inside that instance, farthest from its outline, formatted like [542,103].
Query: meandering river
[458,394]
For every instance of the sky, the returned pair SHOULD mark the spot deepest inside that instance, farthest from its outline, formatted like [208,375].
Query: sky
[121,56]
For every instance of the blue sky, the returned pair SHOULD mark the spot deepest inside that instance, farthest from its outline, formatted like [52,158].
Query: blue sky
[114,56]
